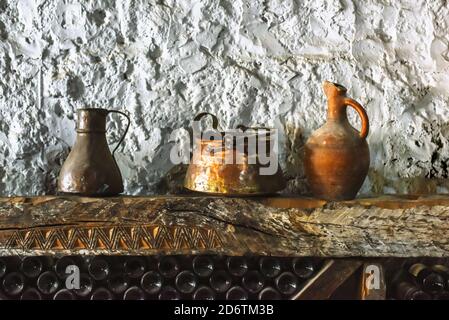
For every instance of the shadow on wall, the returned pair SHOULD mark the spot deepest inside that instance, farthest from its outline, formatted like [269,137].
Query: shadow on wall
[173,181]
[416,185]
[433,180]
[292,160]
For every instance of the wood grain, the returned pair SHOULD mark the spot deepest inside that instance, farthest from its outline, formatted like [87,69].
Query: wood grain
[377,227]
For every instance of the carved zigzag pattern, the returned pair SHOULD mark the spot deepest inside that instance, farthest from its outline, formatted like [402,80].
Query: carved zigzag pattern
[122,237]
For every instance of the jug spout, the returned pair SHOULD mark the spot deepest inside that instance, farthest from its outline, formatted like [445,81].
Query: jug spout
[332,89]
[335,94]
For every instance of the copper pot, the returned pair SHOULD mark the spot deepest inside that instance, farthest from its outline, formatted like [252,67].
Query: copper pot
[91,169]
[210,170]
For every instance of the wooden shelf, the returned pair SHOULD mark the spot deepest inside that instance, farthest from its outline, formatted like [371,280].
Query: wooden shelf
[387,226]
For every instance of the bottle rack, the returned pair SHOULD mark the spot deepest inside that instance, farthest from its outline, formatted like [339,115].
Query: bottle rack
[155,277]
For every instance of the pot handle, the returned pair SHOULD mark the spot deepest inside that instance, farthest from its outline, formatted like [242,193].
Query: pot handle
[362,113]
[201,115]
[244,128]
[126,130]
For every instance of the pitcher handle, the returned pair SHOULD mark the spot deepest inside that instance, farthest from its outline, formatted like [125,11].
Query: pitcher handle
[362,113]
[126,130]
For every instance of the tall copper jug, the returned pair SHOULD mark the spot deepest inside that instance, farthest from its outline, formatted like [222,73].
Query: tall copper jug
[91,169]
[337,155]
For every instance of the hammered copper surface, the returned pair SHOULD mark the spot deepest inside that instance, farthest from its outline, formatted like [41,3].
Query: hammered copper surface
[336,159]
[91,169]
[211,175]
[210,172]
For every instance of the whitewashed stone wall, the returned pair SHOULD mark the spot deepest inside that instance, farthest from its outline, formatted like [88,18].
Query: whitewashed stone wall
[247,61]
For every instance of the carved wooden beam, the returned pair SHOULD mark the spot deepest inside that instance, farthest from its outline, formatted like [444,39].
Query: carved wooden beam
[377,227]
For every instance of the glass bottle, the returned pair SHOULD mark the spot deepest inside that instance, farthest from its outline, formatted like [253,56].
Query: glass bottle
[444,272]
[134,293]
[269,293]
[86,286]
[31,294]
[270,267]
[102,294]
[2,267]
[220,281]
[253,281]
[430,280]
[408,291]
[204,293]
[237,266]
[12,263]
[186,282]
[203,266]
[47,262]
[286,283]
[31,267]
[151,282]
[61,266]
[134,267]
[303,267]
[13,283]
[152,263]
[48,282]
[98,268]
[236,293]
[86,260]
[118,283]
[64,294]
[168,293]
[168,267]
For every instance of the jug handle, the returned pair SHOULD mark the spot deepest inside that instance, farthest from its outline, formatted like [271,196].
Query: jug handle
[362,113]
[126,130]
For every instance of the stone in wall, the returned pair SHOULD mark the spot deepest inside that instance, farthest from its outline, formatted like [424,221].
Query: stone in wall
[251,62]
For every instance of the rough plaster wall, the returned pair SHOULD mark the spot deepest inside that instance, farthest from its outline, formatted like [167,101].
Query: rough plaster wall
[247,61]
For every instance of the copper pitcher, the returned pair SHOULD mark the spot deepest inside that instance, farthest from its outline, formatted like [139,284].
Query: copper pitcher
[91,169]
[337,155]
[209,172]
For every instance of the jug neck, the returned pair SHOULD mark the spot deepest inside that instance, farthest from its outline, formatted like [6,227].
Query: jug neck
[336,108]
[91,120]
